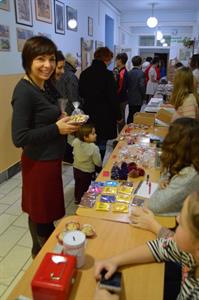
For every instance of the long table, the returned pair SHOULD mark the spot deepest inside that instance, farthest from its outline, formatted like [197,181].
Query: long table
[169,222]
[140,282]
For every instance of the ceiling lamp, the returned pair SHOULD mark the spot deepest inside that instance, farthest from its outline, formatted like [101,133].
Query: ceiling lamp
[164,44]
[72,23]
[159,35]
[152,21]
[162,41]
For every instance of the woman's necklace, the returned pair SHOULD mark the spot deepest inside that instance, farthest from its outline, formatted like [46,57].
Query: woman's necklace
[28,78]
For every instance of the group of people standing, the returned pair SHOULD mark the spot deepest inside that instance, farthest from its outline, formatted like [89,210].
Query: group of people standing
[40,129]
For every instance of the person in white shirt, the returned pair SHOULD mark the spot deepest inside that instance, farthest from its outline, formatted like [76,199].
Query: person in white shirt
[87,159]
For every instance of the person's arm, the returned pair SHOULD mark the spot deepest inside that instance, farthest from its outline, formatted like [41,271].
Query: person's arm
[112,96]
[22,122]
[145,219]
[138,255]
[96,157]
[142,85]
[170,199]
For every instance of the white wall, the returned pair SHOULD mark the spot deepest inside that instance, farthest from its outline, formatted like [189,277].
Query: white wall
[10,62]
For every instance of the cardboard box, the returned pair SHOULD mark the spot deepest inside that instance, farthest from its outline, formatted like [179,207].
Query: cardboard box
[164,116]
[144,118]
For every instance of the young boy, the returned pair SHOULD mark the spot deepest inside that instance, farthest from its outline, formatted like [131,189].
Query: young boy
[86,158]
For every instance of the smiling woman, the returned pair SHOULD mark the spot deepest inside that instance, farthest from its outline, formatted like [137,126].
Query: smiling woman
[39,130]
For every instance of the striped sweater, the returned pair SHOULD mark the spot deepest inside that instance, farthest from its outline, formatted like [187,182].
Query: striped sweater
[166,250]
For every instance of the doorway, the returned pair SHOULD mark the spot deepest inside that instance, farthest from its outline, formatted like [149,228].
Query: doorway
[109,36]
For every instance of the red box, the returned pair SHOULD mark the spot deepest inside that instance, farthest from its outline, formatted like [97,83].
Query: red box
[54,277]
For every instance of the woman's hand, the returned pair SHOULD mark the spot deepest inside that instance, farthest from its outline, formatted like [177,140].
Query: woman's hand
[108,265]
[144,218]
[65,127]
[102,294]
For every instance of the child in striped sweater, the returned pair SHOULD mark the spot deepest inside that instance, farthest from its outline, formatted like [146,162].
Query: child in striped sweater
[182,248]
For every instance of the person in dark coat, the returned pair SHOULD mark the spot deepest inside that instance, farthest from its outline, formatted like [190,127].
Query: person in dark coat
[68,85]
[122,79]
[136,88]
[98,90]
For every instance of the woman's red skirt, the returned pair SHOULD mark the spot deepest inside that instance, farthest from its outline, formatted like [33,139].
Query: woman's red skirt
[42,189]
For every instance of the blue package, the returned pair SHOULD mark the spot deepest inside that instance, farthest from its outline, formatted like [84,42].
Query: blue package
[107,198]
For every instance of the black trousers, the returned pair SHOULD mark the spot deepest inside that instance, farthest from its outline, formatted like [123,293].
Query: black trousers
[132,110]
[172,280]
[82,182]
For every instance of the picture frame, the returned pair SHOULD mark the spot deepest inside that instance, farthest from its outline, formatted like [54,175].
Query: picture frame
[4,38]
[22,36]
[23,12]
[5,5]
[59,10]
[90,26]
[87,53]
[71,14]
[43,10]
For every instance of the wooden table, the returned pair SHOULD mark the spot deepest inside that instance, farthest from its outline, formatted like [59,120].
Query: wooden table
[140,282]
[169,222]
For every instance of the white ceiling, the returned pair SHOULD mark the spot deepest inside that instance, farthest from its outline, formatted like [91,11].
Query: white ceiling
[138,5]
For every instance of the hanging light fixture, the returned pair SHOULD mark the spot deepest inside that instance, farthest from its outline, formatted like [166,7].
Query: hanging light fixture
[152,21]
[72,23]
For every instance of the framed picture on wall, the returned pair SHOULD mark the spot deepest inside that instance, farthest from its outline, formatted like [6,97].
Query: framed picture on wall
[22,36]
[5,5]
[59,17]
[43,10]
[90,26]
[71,18]
[23,12]
[4,38]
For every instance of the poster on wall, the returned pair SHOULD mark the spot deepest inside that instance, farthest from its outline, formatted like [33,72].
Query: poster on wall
[185,54]
[90,26]
[23,12]
[22,36]
[5,4]
[43,10]
[87,53]
[4,38]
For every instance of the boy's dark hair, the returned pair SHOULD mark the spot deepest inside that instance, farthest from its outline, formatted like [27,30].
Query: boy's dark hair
[136,61]
[123,57]
[149,59]
[35,46]
[155,60]
[84,131]
[59,56]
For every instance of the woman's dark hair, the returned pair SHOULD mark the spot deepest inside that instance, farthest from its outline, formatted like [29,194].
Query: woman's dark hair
[84,131]
[123,57]
[35,46]
[194,63]
[103,54]
[180,147]
[136,61]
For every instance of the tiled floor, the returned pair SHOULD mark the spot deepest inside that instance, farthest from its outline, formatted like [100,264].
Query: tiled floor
[15,240]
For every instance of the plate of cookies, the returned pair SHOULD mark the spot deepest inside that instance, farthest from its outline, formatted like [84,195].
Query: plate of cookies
[78,119]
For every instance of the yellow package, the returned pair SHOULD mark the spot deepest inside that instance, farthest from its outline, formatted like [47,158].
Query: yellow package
[120,207]
[121,197]
[110,190]
[125,189]
[103,206]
